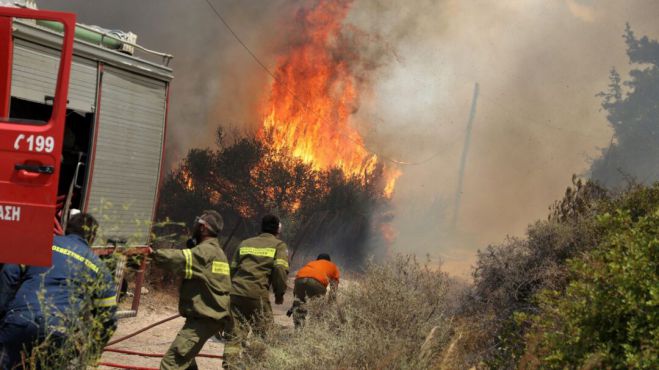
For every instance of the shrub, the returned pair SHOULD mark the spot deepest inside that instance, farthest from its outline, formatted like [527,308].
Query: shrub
[608,317]
[507,276]
[395,317]
[82,323]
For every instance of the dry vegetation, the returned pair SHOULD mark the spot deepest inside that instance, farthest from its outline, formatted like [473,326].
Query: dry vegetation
[395,317]
[401,314]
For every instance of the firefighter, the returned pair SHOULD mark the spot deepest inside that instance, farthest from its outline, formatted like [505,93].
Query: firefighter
[204,293]
[311,281]
[257,264]
[46,306]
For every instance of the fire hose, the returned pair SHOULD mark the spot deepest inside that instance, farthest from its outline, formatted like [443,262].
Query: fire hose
[129,352]
[142,330]
[128,367]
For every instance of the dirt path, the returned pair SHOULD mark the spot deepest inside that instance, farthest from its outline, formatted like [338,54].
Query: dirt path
[156,307]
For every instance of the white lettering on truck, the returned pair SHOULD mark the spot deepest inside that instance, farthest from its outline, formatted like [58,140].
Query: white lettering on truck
[35,143]
[10,213]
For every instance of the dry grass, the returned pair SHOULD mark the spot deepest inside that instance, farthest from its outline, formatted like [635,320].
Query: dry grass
[396,317]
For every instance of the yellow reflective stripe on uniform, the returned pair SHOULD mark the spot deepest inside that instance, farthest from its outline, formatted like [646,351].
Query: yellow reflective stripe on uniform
[220,267]
[188,263]
[76,256]
[106,302]
[259,252]
[281,262]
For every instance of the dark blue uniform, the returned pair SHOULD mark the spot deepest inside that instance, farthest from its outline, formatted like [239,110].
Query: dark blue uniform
[36,302]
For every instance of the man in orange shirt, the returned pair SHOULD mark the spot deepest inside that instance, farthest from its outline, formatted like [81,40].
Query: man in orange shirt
[311,281]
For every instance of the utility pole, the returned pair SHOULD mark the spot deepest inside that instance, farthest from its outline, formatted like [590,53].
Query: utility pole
[463,159]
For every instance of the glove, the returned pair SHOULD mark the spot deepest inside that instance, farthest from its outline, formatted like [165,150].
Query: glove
[279,299]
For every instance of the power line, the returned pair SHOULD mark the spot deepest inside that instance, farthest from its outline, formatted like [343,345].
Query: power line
[297,98]
[235,36]
[251,53]
[463,158]
[306,106]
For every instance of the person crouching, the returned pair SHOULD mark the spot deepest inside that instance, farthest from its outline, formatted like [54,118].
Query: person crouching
[311,281]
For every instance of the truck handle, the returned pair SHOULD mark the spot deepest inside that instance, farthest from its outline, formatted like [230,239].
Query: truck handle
[51,99]
[47,170]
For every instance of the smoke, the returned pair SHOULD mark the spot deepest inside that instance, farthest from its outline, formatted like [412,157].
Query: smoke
[216,82]
[539,65]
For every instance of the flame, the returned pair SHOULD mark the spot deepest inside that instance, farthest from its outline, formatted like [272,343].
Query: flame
[313,97]
[187,180]
[390,181]
[388,232]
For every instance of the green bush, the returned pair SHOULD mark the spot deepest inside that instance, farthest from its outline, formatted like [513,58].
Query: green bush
[608,316]
[508,276]
[83,326]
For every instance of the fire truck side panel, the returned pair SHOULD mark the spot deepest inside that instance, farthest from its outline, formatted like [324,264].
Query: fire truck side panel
[128,153]
[35,73]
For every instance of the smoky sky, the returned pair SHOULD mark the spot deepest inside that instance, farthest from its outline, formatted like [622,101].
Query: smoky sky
[539,63]
[216,82]
[538,120]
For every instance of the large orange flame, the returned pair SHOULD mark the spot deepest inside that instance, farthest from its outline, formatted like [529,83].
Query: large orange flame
[314,95]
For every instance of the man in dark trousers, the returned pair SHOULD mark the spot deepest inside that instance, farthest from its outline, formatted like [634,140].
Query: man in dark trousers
[204,293]
[257,264]
[39,304]
[311,281]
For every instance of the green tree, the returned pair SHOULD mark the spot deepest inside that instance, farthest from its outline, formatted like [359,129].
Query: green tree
[633,113]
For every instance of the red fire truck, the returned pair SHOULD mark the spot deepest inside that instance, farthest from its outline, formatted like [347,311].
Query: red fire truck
[83,127]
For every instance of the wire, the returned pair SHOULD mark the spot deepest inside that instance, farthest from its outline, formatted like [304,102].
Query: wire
[392,160]
[297,98]
[509,113]
[235,36]
[249,51]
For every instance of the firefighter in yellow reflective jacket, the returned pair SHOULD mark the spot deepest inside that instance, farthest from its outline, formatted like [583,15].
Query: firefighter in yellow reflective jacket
[257,264]
[204,294]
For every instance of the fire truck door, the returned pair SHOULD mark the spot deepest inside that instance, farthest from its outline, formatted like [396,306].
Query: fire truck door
[30,152]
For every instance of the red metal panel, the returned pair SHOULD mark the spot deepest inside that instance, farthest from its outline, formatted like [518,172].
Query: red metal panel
[6,57]
[30,158]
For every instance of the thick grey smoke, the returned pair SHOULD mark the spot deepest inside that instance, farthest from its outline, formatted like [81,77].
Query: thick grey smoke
[539,64]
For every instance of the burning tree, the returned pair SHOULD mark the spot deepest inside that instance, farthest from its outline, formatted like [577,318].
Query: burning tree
[308,163]
[318,84]
[321,209]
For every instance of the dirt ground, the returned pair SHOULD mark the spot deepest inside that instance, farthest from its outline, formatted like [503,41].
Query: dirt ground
[158,306]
